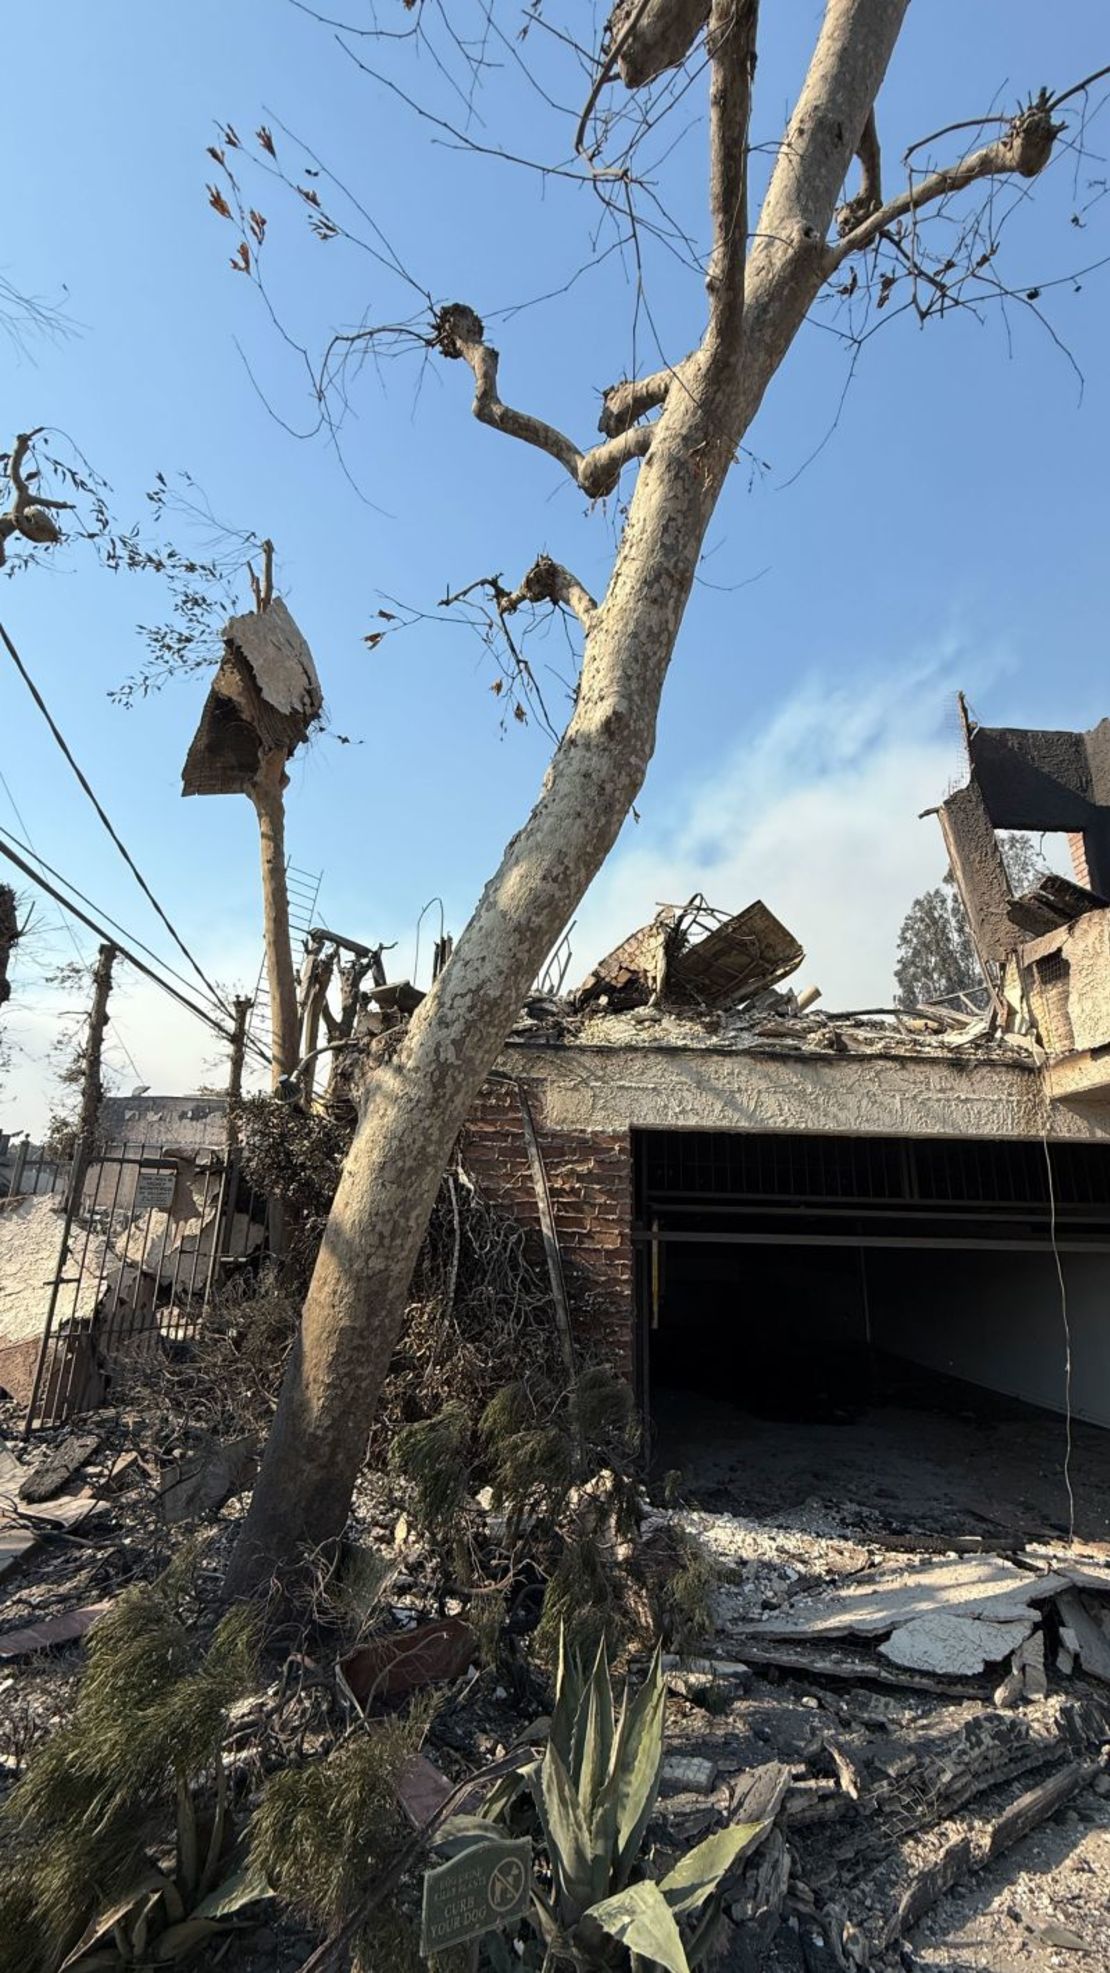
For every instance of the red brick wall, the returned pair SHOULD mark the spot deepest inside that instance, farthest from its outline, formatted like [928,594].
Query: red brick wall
[1078,849]
[589,1177]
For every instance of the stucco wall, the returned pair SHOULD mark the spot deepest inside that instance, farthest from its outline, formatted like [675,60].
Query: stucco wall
[642,1088]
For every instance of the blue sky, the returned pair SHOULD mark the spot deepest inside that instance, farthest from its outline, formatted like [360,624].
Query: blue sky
[950,530]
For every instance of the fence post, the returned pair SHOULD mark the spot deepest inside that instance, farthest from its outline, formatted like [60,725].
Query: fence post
[16,1179]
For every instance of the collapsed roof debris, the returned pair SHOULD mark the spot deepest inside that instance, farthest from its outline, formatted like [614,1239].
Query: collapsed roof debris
[265,696]
[694,956]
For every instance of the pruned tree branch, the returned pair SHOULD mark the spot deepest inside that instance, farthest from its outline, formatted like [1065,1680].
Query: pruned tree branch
[649,36]
[625,403]
[549,582]
[28,514]
[1024,149]
[459,332]
[732,50]
[870,195]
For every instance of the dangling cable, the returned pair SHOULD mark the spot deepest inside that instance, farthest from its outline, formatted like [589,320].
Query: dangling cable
[1066,1320]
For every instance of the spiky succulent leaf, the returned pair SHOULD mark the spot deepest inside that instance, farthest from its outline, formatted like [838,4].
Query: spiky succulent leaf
[593,1736]
[696,1876]
[568,1841]
[640,1760]
[568,1698]
[640,1918]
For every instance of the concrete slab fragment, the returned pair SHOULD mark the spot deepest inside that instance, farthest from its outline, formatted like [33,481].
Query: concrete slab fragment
[958,1646]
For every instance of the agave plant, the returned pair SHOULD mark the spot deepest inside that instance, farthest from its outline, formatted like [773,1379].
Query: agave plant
[594,1791]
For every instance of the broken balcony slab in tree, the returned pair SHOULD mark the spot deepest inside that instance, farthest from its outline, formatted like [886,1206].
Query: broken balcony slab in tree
[264,698]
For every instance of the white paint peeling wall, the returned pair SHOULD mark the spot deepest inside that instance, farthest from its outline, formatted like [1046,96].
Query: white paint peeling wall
[688,1088]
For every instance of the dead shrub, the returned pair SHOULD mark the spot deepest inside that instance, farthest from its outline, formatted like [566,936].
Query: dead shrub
[323,1831]
[106,1788]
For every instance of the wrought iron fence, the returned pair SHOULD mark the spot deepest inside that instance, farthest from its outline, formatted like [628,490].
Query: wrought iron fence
[116,1269]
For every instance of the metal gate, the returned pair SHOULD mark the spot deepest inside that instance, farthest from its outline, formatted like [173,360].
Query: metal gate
[140,1250]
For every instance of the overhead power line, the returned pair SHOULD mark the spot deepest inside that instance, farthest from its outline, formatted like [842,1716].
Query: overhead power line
[114,938]
[120,845]
[67,927]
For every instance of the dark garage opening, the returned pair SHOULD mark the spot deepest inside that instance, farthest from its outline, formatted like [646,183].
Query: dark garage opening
[878,1320]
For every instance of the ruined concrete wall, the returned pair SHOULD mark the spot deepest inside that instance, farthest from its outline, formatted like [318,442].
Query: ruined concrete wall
[192,1122]
[615,1089]
[589,1176]
[995,1319]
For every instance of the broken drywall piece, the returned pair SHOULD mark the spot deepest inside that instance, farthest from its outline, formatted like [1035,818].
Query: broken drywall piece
[200,1484]
[1092,1645]
[1030,1662]
[888,1598]
[958,1646]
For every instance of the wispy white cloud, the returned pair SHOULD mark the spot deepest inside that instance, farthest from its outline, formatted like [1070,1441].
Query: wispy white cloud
[817,813]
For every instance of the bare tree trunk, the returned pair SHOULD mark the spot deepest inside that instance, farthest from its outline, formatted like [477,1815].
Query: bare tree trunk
[92,1084]
[267,792]
[416,1103]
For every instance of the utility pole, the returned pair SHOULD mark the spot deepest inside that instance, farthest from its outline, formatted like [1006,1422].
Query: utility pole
[243,1005]
[9,934]
[92,1088]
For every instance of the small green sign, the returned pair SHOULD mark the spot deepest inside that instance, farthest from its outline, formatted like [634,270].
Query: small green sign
[479,1891]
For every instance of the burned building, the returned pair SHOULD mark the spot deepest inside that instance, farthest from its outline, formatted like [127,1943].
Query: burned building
[801,1213]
